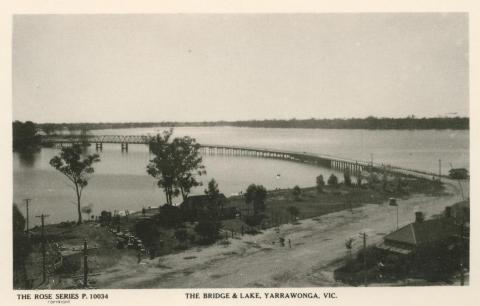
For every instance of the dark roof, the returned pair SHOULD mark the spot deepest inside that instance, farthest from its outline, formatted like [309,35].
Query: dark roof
[200,199]
[424,232]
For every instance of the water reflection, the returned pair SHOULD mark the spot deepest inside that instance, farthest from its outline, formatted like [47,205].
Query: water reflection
[29,157]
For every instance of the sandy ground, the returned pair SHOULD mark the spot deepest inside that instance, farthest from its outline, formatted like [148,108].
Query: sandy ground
[259,261]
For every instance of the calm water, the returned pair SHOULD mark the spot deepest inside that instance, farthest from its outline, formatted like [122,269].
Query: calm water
[120,180]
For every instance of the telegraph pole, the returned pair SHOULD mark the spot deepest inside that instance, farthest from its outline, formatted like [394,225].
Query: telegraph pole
[365,259]
[462,272]
[27,202]
[364,237]
[44,262]
[85,264]
[439,170]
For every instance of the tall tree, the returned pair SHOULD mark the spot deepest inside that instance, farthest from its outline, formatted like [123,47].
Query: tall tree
[213,193]
[24,136]
[78,170]
[320,183]
[176,164]
[256,194]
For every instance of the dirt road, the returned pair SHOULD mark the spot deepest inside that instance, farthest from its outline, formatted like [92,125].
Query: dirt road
[259,261]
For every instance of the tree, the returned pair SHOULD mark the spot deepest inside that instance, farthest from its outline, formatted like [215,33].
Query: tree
[87,210]
[49,128]
[176,164]
[349,246]
[21,247]
[256,194]
[213,194]
[24,136]
[347,179]
[293,211]
[320,183]
[77,170]
[296,192]
[359,180]
[333,180]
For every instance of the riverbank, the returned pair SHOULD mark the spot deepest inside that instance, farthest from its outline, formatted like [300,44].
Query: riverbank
[312,206]
[257,261]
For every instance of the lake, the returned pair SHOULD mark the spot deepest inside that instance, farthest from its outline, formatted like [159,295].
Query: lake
[121,182]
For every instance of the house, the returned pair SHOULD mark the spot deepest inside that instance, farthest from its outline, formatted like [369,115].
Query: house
[201,201]
[422,235]
[196,204]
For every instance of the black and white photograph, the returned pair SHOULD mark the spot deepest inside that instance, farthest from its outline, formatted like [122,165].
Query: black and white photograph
[240,150]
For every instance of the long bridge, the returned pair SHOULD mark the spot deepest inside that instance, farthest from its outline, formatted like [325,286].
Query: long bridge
[355,167]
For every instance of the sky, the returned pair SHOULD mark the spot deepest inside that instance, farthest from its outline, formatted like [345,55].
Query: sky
[202,67]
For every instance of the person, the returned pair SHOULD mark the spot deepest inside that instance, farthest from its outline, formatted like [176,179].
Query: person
[289,243]
[139,256]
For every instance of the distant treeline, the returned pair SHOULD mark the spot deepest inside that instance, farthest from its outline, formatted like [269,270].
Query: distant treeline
[456,123]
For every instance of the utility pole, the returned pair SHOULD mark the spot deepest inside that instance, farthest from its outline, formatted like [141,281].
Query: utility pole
[439,170]
[462,272]
[44,262]
[85,264]
[365,259]
[27,202]
[364,236]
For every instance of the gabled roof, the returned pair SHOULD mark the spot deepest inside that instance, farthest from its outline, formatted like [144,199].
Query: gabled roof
[424,232]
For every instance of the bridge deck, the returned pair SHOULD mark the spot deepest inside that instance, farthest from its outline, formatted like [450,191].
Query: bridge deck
[323,159]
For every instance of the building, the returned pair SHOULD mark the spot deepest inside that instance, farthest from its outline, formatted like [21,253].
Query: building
[422,235]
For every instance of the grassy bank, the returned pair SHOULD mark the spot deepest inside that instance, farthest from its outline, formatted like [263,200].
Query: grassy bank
[103,239]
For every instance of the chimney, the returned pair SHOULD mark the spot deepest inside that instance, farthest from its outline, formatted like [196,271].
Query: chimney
[419,217]
[448,212]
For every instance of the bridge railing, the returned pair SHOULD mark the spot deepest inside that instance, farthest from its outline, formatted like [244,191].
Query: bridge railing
[145,139]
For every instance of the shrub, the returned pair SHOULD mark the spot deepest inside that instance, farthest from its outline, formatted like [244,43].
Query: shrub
[181,235]
[170,216]
[254,220]
[333,180]
[320,183]
[293,211]
[359,180]
[296,192]
[346,178]
[147,231]
[208,230]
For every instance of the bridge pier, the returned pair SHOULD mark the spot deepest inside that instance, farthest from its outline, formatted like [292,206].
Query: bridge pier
[124,146]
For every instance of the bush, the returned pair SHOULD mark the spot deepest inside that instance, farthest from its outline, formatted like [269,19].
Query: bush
[105,218]
[181,235]
[254,220]
[208,230]
[296,192]
[170,216]
[333,180]
[293,211]
[347,178]
[147,231]
[320,183]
